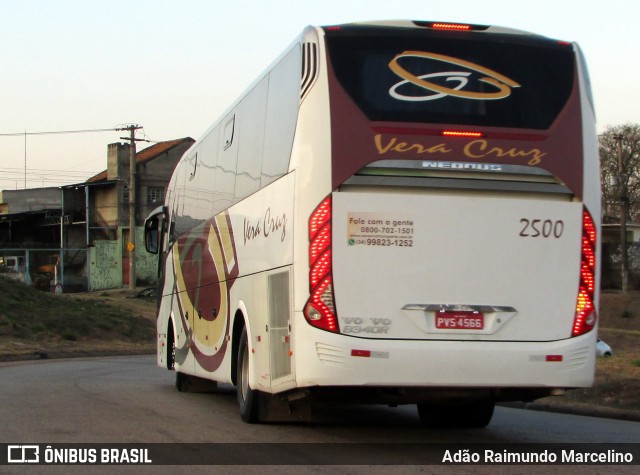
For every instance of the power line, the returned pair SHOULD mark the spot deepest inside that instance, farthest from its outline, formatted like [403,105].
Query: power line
[101,159]
[59,132]
[25,134]
[43,170]
[39,176]
[46,176]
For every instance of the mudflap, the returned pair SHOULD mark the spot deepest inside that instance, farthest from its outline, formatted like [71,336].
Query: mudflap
[192,384]
[292,407]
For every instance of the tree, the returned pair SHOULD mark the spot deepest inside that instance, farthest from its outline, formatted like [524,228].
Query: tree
[620,168]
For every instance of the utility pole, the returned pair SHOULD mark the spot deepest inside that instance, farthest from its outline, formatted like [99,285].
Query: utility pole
[25,160]
[131,245]
[624,210]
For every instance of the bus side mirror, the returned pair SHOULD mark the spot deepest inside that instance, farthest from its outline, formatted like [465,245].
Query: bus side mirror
[152,230]
[151,238]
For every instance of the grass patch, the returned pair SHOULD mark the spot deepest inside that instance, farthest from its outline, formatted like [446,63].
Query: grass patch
[29,314]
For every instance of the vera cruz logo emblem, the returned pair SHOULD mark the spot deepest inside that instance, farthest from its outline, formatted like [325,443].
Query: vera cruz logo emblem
[500,85]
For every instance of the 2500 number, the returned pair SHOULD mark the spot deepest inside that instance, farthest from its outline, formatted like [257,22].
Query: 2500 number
[546,228]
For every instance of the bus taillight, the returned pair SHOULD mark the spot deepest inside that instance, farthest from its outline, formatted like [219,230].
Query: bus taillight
[585,318]
[320,308]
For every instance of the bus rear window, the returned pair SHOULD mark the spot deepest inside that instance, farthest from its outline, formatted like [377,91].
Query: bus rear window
[480,79]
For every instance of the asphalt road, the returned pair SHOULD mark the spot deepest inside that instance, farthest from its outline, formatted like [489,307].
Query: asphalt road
[130,400]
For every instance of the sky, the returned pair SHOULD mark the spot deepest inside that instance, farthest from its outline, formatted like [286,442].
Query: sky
[174,66]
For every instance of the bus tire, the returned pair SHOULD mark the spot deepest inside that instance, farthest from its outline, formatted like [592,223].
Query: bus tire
[433,416]
[248,399]
[475,414]
[478,414]
[171,349]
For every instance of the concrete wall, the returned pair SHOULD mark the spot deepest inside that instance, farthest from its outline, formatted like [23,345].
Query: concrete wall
[36,199]
[106,263]
[146,264]
[104,206]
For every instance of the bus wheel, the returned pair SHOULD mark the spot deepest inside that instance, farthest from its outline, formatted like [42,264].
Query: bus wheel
[248,399]
[476,414]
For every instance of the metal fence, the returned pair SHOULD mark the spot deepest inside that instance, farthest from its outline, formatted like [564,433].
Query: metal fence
[612,267]
[65,270]
[98,267]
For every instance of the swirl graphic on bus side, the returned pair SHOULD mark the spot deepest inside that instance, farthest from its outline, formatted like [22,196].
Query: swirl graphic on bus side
[501,83]
[206,267]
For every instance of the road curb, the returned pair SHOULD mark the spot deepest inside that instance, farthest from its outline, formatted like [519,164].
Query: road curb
[62,354]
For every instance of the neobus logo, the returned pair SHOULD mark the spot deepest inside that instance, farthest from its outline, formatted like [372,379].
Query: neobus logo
[501,83]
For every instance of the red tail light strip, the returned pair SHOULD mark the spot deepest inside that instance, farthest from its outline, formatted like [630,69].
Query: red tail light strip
[320,217]
[320,268]
[585,317]
[319,243]
[320,308]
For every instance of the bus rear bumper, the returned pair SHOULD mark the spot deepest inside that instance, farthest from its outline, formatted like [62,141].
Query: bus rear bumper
[325,359]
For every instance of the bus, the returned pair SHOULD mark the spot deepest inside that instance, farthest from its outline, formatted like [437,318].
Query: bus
[399,212]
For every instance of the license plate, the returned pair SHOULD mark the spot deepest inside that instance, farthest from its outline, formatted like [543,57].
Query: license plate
[459,320]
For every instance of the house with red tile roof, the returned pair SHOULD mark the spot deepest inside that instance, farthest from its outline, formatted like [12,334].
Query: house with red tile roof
[154,166]
[109,194]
